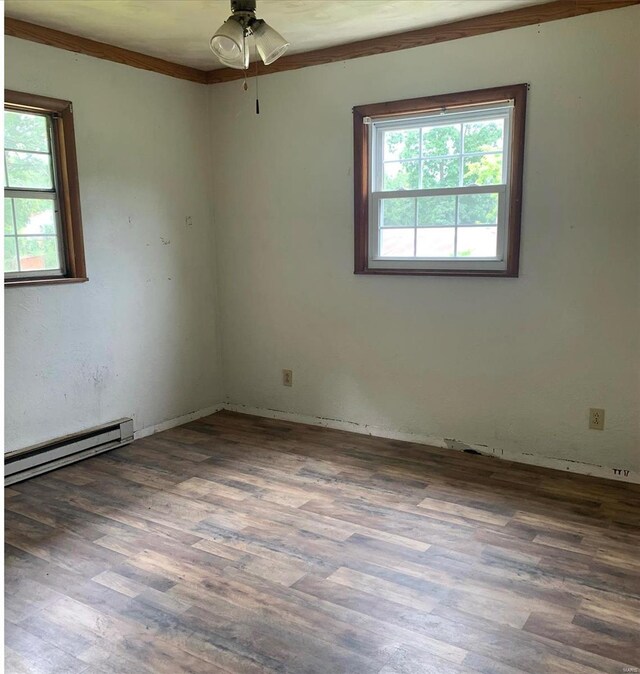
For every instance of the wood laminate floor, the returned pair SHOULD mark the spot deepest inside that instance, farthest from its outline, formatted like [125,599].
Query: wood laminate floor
[244,545]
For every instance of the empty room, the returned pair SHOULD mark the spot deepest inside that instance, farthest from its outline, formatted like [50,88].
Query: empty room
[322,336]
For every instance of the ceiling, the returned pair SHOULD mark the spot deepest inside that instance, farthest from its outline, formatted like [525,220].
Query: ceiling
[179,30]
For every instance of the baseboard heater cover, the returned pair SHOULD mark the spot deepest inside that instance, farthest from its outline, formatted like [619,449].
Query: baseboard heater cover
[22,464]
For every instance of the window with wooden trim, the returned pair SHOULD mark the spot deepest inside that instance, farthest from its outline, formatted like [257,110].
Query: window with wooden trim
[42,220]
[438,184]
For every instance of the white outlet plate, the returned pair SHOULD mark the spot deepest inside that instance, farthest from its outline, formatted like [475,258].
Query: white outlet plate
[287,377]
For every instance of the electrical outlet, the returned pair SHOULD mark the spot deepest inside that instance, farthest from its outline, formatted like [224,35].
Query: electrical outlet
[596,419]
[287,377]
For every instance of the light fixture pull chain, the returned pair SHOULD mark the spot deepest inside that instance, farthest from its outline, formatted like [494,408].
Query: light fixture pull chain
[257,99]
[245,46]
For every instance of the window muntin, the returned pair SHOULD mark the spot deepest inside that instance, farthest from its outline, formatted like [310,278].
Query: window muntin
[32,227]
[439,187]
[438,184]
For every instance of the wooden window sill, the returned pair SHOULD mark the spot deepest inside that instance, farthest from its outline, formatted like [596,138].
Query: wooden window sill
[43,281]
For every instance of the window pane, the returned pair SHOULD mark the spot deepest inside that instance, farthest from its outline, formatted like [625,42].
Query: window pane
[398,213]
[396,242]
[35,216]
[436,211]
[484,169]
[478,209]
[439,140]
[436,242]
[29,170]
[401,175]
[477,241]
[8,217]
[483,136]
[441,173]
[404,144]
[10,256]
[23,131]
[38,252]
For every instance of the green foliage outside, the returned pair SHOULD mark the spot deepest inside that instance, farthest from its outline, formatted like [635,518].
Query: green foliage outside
[26,134]
[43,248]
[8,217]
[28,170]
[10,256]
[36,252]
[443,164]
[33,218]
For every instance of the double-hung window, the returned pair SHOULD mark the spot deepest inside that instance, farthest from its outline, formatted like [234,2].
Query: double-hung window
[42,228]
[438,184]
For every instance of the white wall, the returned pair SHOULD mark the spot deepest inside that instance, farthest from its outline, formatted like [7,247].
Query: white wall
[509,363]
[139,339]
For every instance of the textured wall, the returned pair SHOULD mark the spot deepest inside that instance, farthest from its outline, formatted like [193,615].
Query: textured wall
[139,339]
[513,364]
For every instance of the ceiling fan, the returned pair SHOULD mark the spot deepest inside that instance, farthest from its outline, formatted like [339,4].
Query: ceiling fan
[230,44]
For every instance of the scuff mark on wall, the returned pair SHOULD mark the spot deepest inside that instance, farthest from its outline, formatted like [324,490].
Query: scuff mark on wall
[452,443]
[98,376]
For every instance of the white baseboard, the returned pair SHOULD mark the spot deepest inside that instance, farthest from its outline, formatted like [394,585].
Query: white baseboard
[565,465]
[178,421]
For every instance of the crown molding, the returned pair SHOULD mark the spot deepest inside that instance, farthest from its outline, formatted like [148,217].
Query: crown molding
[101,50]
[480,25]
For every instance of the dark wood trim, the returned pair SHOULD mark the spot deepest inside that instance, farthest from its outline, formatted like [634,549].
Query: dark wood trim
[424,104]
[360,191]
[517,92]
[34,102]
[101,50]
[70,193]
[516,178]
[67,183]
[479,25]
[43,281]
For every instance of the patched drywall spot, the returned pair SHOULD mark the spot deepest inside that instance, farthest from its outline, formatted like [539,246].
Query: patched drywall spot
[188,221]
[165,242]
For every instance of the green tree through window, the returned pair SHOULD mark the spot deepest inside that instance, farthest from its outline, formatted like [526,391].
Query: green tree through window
[445,163]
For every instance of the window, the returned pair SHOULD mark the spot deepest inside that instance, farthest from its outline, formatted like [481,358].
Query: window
[42,224]
[438,184]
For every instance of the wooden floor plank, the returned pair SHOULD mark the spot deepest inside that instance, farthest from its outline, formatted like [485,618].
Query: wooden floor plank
[242,545]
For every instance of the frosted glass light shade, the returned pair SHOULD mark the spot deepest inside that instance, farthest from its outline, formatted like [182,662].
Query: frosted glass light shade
[269,43]
[228,44]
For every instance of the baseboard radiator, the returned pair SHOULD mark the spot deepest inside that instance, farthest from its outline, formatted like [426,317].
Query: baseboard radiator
[25,463]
